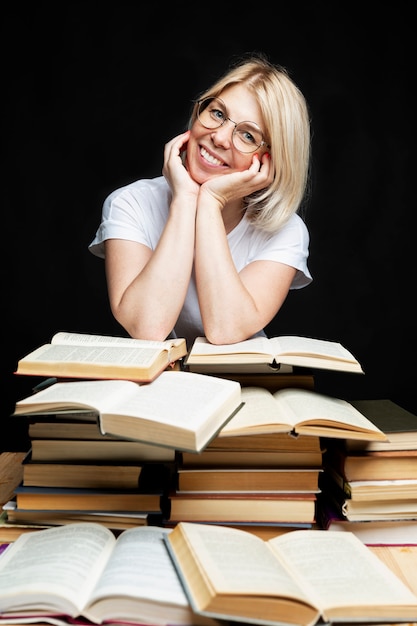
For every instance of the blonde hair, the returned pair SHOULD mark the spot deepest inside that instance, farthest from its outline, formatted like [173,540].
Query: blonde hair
[286,118]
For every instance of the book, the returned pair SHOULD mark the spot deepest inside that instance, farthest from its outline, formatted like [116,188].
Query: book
[271,381]
[81,355]
[283,442]
[372,465]
[392,489]
[362,510]
[114,520]
[248,479]
[290,579]
[300,412]
[86,572]
[181,410]
[269,353]
[370,532]
[10,531]
[251,458]
[11,473]
[87,475]
[377,509]
[71,499]
[77,451]
[247,507]
[400,560]
[52,427]
[399,424]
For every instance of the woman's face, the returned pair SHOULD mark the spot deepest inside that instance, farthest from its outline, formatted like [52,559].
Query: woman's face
[211,152]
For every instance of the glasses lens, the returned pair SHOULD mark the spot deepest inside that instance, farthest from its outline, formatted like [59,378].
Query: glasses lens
[212,113]
[247,137]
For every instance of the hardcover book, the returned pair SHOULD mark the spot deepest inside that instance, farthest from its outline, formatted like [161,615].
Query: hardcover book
[78,355]
[232,574]
[300,412]
[85,573]
[243,507]
[268,353]
[397,423]
[178,409]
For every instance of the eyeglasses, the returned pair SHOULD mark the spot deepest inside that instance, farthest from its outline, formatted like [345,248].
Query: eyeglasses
[247,136]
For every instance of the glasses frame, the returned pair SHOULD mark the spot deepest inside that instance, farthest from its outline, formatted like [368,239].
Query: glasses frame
[228,119]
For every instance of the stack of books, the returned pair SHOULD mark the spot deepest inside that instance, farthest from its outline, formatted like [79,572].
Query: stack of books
[103,448]
[370,488]
[264,482]
[74,472]
[262,470]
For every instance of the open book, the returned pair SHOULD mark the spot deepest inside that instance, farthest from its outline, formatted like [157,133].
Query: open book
[299,577]
[181,410]
[78,355]
[300,411]
[261,353]
[82,570]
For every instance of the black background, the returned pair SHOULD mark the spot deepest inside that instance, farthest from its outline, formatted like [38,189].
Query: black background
[90,95]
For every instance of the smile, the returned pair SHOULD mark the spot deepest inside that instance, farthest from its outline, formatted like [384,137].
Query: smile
[210,159]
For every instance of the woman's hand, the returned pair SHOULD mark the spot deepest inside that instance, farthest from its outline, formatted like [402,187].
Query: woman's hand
[227,187]
[173,169]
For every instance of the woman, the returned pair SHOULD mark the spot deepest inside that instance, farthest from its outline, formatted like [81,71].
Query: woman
[214,245]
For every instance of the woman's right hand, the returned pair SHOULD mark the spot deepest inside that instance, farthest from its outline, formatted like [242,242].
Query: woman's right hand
[173,169]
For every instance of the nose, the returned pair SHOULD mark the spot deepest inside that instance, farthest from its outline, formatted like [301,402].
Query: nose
[223,135]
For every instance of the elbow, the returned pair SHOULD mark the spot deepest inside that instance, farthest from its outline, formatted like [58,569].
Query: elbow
[140,329]
[219,336]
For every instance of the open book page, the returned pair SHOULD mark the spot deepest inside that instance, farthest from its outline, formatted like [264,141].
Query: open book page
[139,567]
[309,346]
[304,408]
[91,354]
[78,355]
[178,409]
[183,399]
[238,562]
[258,415]
[99,395]
[286,351]
[341,573]
[183,403]
[255,345]
[81,339]
[60,566]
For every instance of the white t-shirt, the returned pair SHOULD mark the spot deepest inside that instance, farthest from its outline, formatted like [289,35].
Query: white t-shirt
[139,211]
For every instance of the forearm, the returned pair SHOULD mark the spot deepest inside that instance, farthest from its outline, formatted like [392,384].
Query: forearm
[147,305]
[228,310]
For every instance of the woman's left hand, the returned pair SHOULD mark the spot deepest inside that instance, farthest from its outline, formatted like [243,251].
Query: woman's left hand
[228,187]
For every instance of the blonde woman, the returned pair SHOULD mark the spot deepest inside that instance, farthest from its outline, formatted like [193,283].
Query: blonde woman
[213,245]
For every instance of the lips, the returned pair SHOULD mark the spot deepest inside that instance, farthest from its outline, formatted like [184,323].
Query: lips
[209,158]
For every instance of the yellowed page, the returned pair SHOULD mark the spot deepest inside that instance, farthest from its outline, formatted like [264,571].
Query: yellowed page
[303,407]
[338,570]
[84,339]
[253,346]
[259,414]
[309,346]
[238,562]
[100,395]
